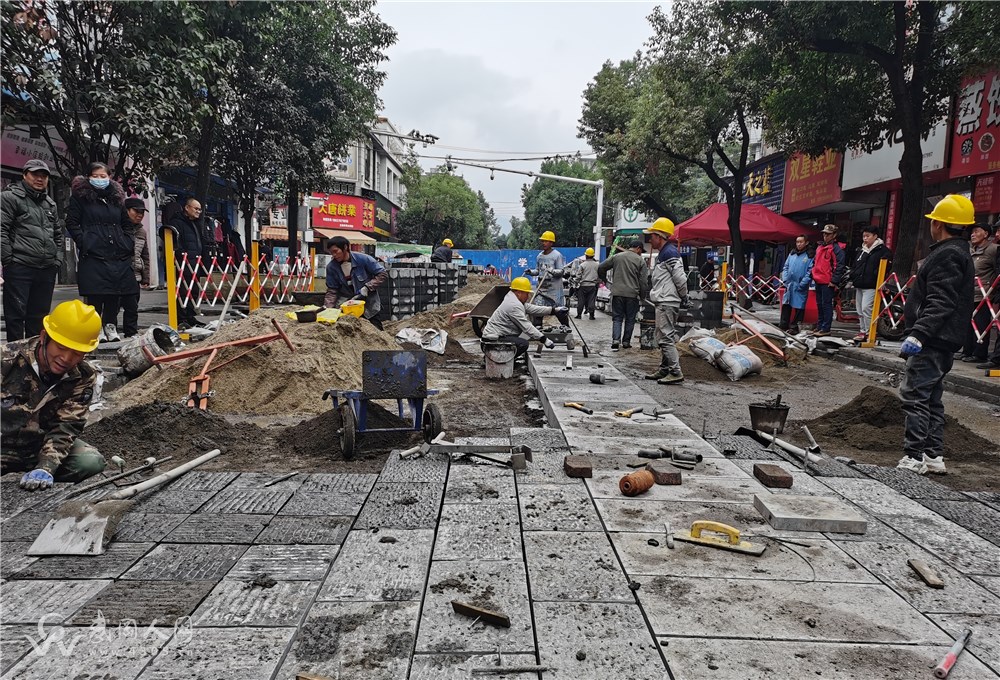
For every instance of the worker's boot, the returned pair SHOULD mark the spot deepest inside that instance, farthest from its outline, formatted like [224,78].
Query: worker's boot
[671,379]
[913,465]
[934,465]
[659,374]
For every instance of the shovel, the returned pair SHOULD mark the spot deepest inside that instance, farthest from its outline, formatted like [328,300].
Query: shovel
[79,527]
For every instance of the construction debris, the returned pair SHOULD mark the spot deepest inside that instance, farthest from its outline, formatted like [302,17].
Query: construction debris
[924,571]
[662,474]
[772,476]
[578,467]
[487,615]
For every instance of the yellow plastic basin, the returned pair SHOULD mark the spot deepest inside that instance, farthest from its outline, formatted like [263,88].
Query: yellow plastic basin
[353,307]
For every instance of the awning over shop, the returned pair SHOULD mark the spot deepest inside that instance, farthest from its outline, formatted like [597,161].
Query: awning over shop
[352,236]
[757,223]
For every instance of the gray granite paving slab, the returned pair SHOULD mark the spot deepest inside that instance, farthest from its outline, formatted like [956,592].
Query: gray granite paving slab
[168,501]
[237,603]
[629,514]
[499,586]
[457,666]
[557,507]
[95,653]
[24,526]
[186,562]
[738,447]
[877,498]
[214,653]
[821,561]
[14,644]
[267,480]
[14,557]
[147,603]
[237,500]
[990,498]
[285,562]
[985,642]
[991,583]
[809,513]
[327,482]
[429,468]
[115,561]
[877,531]
[803,484]
[14,499]
[960,548]
[910,484]
[486,484]
[484,441]
[574,566]
[833,468]
[28,601]
[401,506]
[479,532]
[773,610]
[354,640]
[585,441]
[726,659]
[402,556]
[218,528]
[538,438]
[888,561]
[325,503]
[613,637]
[290,530]
[545,468]
[976,517]
[701,489]
[199,480]
[139,527]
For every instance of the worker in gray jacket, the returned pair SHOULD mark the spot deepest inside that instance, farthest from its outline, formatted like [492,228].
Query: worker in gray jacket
[629,286]
[668,293]
[510,320]
[586,293]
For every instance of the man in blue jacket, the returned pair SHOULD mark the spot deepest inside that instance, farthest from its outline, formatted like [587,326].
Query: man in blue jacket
[353,276]
[795,277]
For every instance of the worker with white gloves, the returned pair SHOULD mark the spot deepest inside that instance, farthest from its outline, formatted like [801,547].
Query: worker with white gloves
[510,320]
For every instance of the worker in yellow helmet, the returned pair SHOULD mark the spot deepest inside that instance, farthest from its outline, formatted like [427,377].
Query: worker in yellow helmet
[668,294]
[549,267]
[936,317]
[510,320]
[443,252]
[47,389]
[586,292]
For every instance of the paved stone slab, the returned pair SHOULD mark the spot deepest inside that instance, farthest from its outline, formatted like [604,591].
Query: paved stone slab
[578,566]
[538,438]
[267,480]
[991,583]
[457,666]
[325,503]
[402,556]
[285,562]
[877,498]
[499,586]
[773,610]
[212,653]
[888,561]
[803,484]
[325,482]
[28,601]
[822,561]
[545,468]
[25,526]
[186,562]
[724,659]
[14,644]
[614,638]
[14,557]
[218,528]
[985,642]
[486,484]
[976,517]
[479,532]
[145,602]
[14,499]
[169,501]
[139,527]
[108,653]
[809,513]
[742,448]
[429,468]
[557,507]
[585,442]
[237,500]
[401,506]
[355,640]
[990,498]
[960,548]
[199,480]
[113,563]
[237,603]
[702,489]
[289,530]
[877,531]
[909,484]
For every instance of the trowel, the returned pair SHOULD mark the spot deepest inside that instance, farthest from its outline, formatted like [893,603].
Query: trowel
[731,542]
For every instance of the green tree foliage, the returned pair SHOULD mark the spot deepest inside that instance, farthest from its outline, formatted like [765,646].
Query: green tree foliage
[521,235]
[439,206]
[489,222]
[568,209]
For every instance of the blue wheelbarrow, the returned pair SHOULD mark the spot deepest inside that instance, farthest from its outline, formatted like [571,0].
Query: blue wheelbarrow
[391,374]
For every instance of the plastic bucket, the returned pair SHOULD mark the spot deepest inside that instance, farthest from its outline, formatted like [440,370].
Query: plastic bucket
[353,307]
[499,359]
[647,334]
[158,338]
[769,417]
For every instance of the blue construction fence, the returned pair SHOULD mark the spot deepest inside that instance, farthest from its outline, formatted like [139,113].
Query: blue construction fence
[512,263]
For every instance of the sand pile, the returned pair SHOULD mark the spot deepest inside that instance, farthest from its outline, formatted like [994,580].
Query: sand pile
[795,355]
[271,379]
[874,420]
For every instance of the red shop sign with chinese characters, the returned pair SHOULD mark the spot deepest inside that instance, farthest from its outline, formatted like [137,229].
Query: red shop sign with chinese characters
[976,131]
[811,181]
[344,212]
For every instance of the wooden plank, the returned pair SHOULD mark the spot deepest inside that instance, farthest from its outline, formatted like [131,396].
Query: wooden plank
[488,615]
[924,571]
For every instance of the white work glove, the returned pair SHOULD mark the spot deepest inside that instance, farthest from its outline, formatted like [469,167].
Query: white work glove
[910,347]
[364,291]
[548,343]
[37,479]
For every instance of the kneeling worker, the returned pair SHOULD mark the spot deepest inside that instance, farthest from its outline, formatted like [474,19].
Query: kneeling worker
[47,388]
[510,319]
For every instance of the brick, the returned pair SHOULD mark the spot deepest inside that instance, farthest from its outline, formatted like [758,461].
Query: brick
[663,473]
[578,466]
[772,476]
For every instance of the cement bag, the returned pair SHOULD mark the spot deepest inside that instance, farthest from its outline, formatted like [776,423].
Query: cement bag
[707,348]
[762,327]
[431,339]
[738,361]
[158,338]
[697,333]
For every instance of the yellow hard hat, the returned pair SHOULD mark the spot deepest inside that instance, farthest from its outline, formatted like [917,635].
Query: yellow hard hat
[522,284]
[954,209]
[662,226]
[589,252]
[547,236]
[447,242]
[74,325]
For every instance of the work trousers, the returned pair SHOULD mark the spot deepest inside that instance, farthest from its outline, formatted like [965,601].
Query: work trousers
[974,348]
[824,305]
[921,392]
[666,337]
[186,310]
[864,302]
[107,306]
[27,297]
[790,317]
[586,300]
[83,461]
[130,314]
[623,313]
[520,344]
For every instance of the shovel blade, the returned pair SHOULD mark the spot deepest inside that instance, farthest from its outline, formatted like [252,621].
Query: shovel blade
[79,528]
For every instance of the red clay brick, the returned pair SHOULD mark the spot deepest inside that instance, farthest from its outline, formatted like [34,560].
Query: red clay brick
[772,476]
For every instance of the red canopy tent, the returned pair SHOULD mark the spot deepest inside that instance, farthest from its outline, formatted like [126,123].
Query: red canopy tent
[757,223]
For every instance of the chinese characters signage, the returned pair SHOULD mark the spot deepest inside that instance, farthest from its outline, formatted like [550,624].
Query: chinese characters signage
[385,219]
[811,181]
[764,184]
[344,212]
[986,196]
[977,124]
[17,148]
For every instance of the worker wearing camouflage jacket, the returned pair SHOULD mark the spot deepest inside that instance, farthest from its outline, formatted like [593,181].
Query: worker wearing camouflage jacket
[668,294]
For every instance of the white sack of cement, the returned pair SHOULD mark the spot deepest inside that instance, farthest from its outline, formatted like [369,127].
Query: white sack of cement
[697,333]
[431,339]
[762,327]
[738,362]
[707,348]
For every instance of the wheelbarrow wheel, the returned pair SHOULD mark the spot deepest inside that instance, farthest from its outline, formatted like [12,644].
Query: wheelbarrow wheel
[570,343]
[348,430]
[433,424]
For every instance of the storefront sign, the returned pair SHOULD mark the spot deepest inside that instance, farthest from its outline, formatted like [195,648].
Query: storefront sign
[986,196]
[385,224]
[344,212]
[17,148]
[974,139]
[891,218]
[811,181]
[765,183]
[882,163]
[345,167]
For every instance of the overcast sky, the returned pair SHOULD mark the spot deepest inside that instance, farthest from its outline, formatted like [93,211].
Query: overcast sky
[501,76]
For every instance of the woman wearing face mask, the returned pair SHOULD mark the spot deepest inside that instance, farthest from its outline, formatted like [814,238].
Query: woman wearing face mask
[105,241]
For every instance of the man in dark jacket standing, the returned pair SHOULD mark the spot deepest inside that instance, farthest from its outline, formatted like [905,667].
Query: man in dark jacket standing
[827,272]
[31,250]
[864,276]
[189,241]
[937,316]
[443,252]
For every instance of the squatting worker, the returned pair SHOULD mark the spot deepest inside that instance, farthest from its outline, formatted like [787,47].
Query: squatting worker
[353,276]
[443,252]
[549,266]
[668,293]
[510,319]
[47,388]
[937,315]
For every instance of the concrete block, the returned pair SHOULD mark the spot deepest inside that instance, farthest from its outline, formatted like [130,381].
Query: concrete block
[139,527]
[484,484]
[235,603]
[218,528]
[557,561]
[480,532]
[186,562]
[291,530]
[772,476]
[285,562]
[144,602]
[985,642]
[803,483]
[809,513]
[324,504]
[237,500]
[578,467]
[557,507]
[402,556]
[113,563]
[58,601]
[664,473]
[401,506]
[210,653]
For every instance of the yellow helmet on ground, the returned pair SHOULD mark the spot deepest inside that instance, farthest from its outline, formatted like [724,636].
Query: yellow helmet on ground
[522,284]
[662,226]
[589,252]
[547,236]
[74,325]
[954,209]
[447,242]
